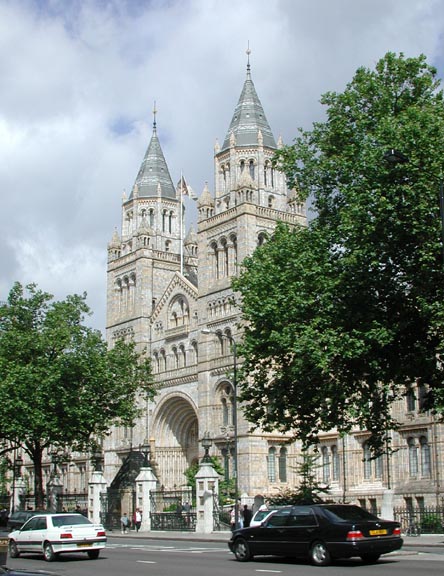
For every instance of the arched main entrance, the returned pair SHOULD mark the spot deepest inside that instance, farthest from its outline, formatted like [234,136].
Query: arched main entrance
[176,439]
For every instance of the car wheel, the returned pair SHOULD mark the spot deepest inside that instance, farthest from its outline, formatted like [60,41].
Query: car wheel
[319,554]
[48,552]
[370,558]
[93,554]
[242,550]
[13,550]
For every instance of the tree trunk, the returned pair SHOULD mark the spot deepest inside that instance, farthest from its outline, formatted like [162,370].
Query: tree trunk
[37,454]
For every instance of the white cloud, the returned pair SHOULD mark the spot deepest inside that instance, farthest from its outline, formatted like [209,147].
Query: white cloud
[78,84]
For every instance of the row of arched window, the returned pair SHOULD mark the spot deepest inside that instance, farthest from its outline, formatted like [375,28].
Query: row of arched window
[168,217]
[125,288]
[220,307]
[223,257]
[178,313]
[277,464]
[419,461]
[177,357]
[250,165]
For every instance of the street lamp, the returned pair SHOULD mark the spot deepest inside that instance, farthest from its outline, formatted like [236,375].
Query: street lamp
[394,156]
[206,445]
[145,449]
[235,451]
[97,458]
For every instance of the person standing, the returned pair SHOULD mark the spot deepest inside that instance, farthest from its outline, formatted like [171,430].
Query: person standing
[124,523]
[137,519]
[247,515]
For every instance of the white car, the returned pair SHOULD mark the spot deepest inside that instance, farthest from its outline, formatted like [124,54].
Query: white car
[261,515]
[53,534]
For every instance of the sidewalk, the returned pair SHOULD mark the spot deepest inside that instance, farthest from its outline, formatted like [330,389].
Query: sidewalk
[432,540]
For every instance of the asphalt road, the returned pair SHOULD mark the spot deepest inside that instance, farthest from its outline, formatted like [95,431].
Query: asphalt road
[133,557]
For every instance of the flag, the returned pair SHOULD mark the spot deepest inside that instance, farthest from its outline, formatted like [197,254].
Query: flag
[184,189]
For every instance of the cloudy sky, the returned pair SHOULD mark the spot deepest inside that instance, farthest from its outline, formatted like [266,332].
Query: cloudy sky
[78,83]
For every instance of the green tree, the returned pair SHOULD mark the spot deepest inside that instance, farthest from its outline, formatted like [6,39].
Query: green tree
[343,315]
[61,387]
[309,489]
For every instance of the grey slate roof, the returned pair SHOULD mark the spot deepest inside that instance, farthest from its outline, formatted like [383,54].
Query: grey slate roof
[248,119]
[154,171]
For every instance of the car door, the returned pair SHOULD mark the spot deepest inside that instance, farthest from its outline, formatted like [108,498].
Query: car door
[25,537]
[271,534]
[300,531]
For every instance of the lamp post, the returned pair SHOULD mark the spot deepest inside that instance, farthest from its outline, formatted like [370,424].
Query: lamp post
[145,449]
[16,474]
[394,156]
[206,445]
[235,451]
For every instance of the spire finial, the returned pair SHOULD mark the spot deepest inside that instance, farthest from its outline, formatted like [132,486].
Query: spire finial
[154,116]
[248,52]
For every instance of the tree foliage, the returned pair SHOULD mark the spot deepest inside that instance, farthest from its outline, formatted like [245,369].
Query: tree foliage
[61,387]
[310,488]
[344,315]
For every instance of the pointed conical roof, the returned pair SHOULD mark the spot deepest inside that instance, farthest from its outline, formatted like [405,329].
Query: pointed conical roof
[248,119]
[154,174]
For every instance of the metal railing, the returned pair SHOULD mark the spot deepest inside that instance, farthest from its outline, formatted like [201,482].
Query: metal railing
[424,520]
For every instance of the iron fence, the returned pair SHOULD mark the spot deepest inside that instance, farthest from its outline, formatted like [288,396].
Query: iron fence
[424,520]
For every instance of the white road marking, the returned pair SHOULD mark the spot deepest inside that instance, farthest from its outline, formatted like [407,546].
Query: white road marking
[273,571]
[145,562]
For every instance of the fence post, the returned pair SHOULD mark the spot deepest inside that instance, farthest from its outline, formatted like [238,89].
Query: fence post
[96,486]
[146,482]
[207,488]
[387,505]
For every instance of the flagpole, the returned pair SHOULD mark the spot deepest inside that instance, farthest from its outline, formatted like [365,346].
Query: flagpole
[181,222]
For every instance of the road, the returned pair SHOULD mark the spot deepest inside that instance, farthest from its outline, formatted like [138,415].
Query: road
[136,557]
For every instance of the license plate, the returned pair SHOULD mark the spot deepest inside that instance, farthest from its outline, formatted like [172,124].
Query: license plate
[378,532]
[83,545]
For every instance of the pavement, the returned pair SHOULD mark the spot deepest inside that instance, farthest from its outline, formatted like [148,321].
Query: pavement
[423,541]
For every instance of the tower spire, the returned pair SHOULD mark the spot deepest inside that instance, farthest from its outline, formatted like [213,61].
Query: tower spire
[154,117]
[248,52]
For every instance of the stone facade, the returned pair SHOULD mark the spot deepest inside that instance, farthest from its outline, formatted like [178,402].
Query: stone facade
[176,302]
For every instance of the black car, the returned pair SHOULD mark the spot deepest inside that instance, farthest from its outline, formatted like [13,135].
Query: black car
[4,571]
[17,519]
[319,532]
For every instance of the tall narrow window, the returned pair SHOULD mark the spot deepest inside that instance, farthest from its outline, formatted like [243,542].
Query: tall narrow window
[325,465]
[251,167]
[425,457]
[378,467]
[335,463]
[413,457]
[271,464]
[283,464]
[367,461]
[224,412]
[410,400]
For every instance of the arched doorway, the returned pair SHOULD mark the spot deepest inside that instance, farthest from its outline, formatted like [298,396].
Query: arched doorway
[175,433]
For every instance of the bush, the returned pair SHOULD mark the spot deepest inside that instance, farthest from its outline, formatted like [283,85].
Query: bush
[431,524]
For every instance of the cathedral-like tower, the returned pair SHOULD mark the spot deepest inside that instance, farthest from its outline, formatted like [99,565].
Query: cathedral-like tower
[250,197]
[142,259]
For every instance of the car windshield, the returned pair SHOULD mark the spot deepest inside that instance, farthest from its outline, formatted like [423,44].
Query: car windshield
[69,520]
[348,513]
[260,515]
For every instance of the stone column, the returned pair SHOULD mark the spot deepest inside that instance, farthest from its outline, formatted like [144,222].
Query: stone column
[146,482]
[54,489]
[96,487]
[18,491]
[207,488]
[387,505]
